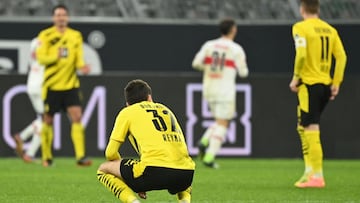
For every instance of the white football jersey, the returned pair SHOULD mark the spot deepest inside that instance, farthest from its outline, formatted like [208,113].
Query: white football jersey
[221,60]
[36,72]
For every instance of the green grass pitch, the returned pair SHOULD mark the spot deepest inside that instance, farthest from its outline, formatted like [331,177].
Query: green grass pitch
[238,180]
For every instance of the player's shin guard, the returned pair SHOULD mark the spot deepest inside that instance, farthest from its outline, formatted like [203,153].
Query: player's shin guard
[78,139]
[117,187]
[305,149]
[315,152]
[215,142]
[46,142]
[184,196]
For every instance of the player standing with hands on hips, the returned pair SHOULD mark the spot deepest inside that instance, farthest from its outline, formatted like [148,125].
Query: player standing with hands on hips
[221,60]
[316,42]
[61,52]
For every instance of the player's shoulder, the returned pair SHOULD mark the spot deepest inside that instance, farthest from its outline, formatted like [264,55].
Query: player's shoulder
[127,110]
[236,45]
[133,108]
[299,24]
[161,106]
[125,113]
[329,26]
[165,109]
[152,105]
[35,42]
[74,32]
[216,41]
[224,42]
[302,27]
[47,31]
[208,43]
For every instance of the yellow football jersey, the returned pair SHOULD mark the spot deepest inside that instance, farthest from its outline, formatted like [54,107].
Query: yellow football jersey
[61,54]
[318,41]
[155,134]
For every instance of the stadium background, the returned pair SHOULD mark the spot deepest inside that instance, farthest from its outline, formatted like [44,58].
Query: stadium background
[156,41]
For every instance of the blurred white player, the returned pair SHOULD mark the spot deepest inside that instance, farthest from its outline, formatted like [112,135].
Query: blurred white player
[221,60]
[34,86]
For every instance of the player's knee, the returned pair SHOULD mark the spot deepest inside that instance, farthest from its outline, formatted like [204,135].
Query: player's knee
[222,122]
[110,167]
[75,118]
[103,167]
[312,127]
[48,119]
[75,114]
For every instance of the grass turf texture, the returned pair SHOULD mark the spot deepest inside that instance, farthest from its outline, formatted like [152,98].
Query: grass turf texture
[238,180]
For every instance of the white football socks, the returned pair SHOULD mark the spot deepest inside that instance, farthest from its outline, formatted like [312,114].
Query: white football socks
[215,141]
[33,130]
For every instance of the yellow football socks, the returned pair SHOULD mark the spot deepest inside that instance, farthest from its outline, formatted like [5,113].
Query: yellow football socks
[117,187]
[315,152]
[305,149]
[78,139]
[46,142]
[184,196]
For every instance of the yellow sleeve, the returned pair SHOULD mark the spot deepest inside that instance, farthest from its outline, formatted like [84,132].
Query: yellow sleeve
[43,53]
[117,137]
[121,126]
[112,150]
[340,58]
[300,47]
[80,52]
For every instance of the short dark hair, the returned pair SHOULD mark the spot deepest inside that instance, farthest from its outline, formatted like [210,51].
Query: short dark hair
[226,25]
[62,6]
[311,6]
[137,91]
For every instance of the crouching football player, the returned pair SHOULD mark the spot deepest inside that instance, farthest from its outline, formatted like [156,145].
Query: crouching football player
[155,134]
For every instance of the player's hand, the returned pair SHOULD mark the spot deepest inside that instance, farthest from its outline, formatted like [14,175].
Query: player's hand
[85,70]
[294,85]
[334,92]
